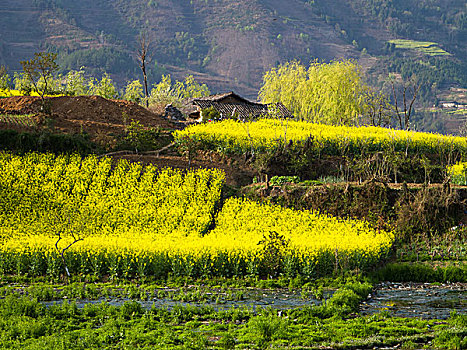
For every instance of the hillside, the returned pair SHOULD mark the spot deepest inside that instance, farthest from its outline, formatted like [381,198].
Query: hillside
[229,44]
[225,43]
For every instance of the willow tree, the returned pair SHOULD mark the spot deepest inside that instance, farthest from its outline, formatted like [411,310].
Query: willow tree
[329,93]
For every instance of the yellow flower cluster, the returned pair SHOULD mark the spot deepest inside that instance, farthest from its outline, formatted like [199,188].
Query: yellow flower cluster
[130,210]
[11,92]
[458,173]
[235,136]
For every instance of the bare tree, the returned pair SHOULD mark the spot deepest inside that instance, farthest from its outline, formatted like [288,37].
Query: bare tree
[143,47]
[410,91]
[76,239]
[378,109]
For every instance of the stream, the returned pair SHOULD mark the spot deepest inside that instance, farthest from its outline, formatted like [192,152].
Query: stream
[423,300]
[276,299]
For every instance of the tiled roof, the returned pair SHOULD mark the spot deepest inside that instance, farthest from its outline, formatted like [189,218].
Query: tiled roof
[242,110]
[220,97]
[230,104]
[228,110]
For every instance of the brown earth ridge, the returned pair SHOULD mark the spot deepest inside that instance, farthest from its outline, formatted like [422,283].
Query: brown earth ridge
[90,114]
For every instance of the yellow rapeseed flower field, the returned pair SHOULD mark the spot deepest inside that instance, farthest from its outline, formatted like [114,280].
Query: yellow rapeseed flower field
[128,219]
[233,136]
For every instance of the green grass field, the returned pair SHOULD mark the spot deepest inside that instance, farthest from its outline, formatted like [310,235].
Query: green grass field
[426,47]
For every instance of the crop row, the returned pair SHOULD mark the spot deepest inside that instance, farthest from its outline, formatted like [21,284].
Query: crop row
[230,136]
[135,221]
[20,120]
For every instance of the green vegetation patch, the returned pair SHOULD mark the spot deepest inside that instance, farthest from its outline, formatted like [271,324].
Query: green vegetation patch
[21,142]
[426,47]
[28,323]
[419,272]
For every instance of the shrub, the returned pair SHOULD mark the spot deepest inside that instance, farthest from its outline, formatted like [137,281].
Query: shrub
[210,114]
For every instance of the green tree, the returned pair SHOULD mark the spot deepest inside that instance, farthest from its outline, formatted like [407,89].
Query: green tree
[75,83]
[330,93]
[141,138]
[166,92]
[190,88]
[134,91]
[104,88]
[39,71]
[22,83]
[5,80]
[209,114]
[161,92]
[55,85]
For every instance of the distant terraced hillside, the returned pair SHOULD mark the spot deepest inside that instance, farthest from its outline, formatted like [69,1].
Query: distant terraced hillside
[228,44]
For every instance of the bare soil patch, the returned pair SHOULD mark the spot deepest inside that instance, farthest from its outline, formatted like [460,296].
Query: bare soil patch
[91,114]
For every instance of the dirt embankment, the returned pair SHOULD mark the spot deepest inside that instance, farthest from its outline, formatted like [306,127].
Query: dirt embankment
[90,114]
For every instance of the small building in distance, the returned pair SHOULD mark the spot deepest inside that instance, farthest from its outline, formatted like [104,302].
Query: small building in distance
[231,105]
[448,104]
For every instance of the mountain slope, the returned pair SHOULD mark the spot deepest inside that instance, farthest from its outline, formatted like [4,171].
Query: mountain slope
[228,44]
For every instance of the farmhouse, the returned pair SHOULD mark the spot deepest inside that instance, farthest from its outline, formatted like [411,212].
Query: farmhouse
[232,105]
[448,104]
